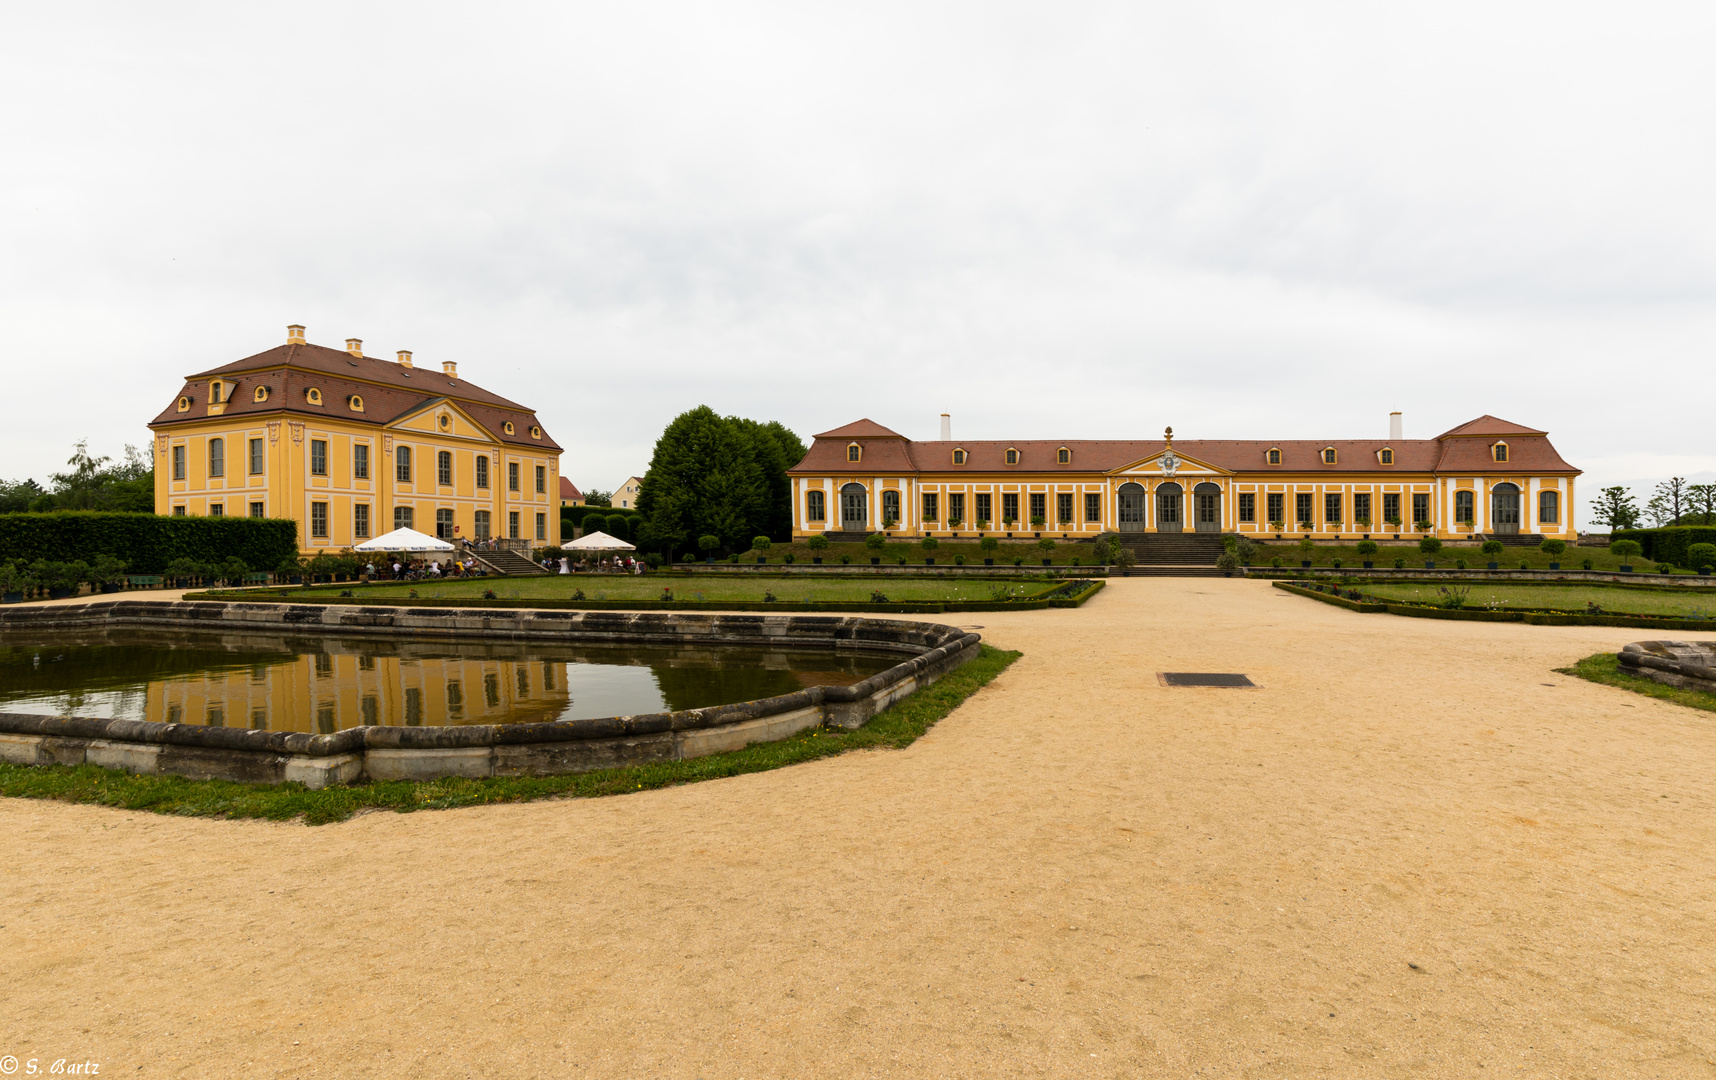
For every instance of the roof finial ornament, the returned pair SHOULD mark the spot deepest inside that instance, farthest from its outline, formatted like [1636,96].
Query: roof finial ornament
[1169,461]
[1168,434]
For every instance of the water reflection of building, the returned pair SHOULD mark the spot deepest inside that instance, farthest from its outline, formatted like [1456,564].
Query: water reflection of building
[323,692]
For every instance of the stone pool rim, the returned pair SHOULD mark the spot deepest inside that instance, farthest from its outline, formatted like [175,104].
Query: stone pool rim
[385,752]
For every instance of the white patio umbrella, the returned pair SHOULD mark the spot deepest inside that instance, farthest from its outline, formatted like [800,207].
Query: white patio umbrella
[404,540]
[597,541]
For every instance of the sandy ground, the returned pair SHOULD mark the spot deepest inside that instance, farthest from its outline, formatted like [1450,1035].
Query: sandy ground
[1079,873]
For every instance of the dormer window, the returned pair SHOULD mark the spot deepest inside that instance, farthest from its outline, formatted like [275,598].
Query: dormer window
[261,394]
[313,396]
[1328,455]
[1273,456]
[959,457]
[507,427]
[445,422]
[535,432]
[1012,456]
[1500,451]
[1385,455]
[217,392]
[184,404]
[854,452]
[356,402]
[1064,456]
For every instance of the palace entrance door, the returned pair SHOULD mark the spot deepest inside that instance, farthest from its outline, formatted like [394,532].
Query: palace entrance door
[1504,510]
[1170,507]
[853,498]
[1206,508]
[1131,508]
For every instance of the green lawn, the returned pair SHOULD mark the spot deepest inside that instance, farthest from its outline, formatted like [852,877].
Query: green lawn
[1617,601]
[1606,669]
[897,727]
[1062,554]
[747,588]
[1448,558]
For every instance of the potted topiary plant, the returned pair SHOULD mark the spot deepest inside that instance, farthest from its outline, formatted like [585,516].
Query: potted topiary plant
[817,544]
[1037,523]
[1227,562]
[1367,550]
[761,543]
[1006,522]
[1335,562]
[1364,526]
[953,521]
[988,544]
[1394,523]
[1399,563]
[1626,551]
[1047,546]
[1459,564]
[874,542]
[1279,528]
[1701,557]
[1553,549]
[959,560]
[1307,547]
[930,543]
[1429,546]
[11,583]
[107,573]
[1492,548]
[708,543]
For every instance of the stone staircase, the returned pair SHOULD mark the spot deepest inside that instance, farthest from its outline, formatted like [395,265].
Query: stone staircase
[1530,540]
[510,563]
[1172,554]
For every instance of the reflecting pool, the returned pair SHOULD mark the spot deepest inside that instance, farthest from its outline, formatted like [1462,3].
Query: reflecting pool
[321,685]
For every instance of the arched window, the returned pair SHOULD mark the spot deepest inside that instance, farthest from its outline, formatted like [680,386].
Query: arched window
[355,402]
[402,464]
[217,392]
[261,394]
[1386,456]
[1549,507]
[854,452]
[1328,455]
[1064,456]
[959,457]
[313,396]
[482,470]
[184,404]
[217,457]
[1274,456]
[1463,504]
[535,432]
[891,506]
[816,507]
[1012,456]
[444,468]
[507,427]
[1500,451]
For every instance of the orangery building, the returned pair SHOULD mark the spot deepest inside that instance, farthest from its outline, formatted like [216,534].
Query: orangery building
[352,446]
[1488,476]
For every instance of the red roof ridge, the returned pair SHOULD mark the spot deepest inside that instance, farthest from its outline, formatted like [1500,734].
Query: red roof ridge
[1489,425]
[860,429]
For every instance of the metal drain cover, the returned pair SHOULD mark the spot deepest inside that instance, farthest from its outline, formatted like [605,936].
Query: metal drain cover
[1202,678]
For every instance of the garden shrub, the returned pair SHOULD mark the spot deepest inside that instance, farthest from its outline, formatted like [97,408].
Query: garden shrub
[760,543]
[988,544]
[817,543]
[1492,548]
[875,541]
[929,543]
[1430,545]
[1553,548]
[145,543]
[1399,563]
[1626,549]
[1671,544]
[1367,548]
[1586,565]
[1699,556]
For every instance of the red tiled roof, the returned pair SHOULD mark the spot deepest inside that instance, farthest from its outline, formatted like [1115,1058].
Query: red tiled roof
[860,429]
[885,456]
[389,391]
[1489,425]
[569,490]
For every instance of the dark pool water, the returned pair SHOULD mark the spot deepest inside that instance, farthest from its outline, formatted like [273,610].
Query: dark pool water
[324,684]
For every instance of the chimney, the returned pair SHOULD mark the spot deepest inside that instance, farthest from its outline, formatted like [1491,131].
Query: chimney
[405,358]
[354,346]
[295,335]
[946,428]
[451,367]
[1394,427]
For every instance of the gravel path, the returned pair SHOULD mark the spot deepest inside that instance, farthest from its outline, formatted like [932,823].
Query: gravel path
[1414,851]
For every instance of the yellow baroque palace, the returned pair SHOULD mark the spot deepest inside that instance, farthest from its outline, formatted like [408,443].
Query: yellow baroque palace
[1489,476]
[352,447]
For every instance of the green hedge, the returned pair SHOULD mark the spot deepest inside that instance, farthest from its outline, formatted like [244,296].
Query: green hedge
[1670,544]
[146,543]
[576,514]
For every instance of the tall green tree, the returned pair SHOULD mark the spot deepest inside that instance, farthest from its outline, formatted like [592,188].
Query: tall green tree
[89,483]
[1617,508]
[777,450]
[1701,498]
[1672,493]
[713,475]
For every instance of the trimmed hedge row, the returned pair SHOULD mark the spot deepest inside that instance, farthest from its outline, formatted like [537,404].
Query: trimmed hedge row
[146,543]
[576,514]
[1534,618]
[1668,544]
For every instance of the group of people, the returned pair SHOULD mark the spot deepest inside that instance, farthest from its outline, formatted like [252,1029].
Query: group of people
[617,564]
[419,569]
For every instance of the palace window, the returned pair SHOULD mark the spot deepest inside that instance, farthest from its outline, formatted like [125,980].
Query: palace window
[178,462]
[1012,456]
[360,461]
[542,526]
[1039,507]
[1391,509]
[1332,507]
[217,457]
[512,476]
[413,705]
[1464,508]
[480,525]
[402,464]
[355,403]
[444,468]
[360,521]
[1386,456]
[1064,456]
[985,508]
[1276,505]
[318,457]
[1093,506]
[1302,506]
[313,396]
[217,392]
[217,510]
[542,479]
[512,525]
[507,427]
[854,452]
[256,457]
[535,432]
[1009,509]
[1549,507]
[482,470]
[178,511]
[816,506]
[1328,455]
[403,517]
[890,506]
[932,508]
[184,404]
[255,509]
[319,520]
[959,457]
[1274,456]
[1420,508]
[1500,451]
[444,524]
[445,422]
[1247,506]
[1361,508]
[955,508]
[1064,507]
[261,394]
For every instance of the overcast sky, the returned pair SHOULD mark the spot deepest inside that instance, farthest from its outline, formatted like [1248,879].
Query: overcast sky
[1051,220]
